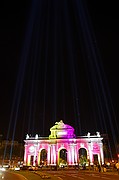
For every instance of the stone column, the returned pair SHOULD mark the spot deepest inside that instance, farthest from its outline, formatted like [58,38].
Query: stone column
[72,153]
[90,152]
[101,153]
[69,155]
[35,155]
[49,156]
[25,155]
[54,153]
[75,154]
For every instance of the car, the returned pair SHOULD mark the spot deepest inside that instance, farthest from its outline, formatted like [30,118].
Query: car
[17,168]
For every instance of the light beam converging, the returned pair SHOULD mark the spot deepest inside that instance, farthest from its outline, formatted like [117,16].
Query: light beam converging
[60,74]
[97,78]
[71,59]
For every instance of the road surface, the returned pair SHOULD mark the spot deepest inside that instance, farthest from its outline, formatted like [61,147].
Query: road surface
[59,175]
[11,176]
[74,175]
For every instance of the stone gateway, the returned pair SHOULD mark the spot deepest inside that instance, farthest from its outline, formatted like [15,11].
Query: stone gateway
[63,148]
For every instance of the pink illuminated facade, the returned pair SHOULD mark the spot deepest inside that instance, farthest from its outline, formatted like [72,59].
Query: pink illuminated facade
[63,147]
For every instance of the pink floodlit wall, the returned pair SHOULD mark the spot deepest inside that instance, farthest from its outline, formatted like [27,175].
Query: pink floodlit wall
[96,148]
[33,147]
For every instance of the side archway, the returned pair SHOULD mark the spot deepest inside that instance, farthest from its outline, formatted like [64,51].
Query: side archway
[43,157]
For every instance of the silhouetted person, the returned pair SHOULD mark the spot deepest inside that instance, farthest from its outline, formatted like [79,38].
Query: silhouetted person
[99,168]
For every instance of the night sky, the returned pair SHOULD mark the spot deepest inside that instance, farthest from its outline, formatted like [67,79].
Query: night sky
[51,86]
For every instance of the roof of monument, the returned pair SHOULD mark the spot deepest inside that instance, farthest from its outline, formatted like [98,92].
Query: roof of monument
[61,126]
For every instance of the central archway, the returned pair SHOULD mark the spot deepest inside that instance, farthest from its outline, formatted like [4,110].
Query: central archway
[62,158]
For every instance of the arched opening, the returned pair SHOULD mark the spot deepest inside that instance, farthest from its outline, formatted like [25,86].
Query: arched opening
[82,155]
[63,158]
[31,160]
[95,159]
[43,157]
